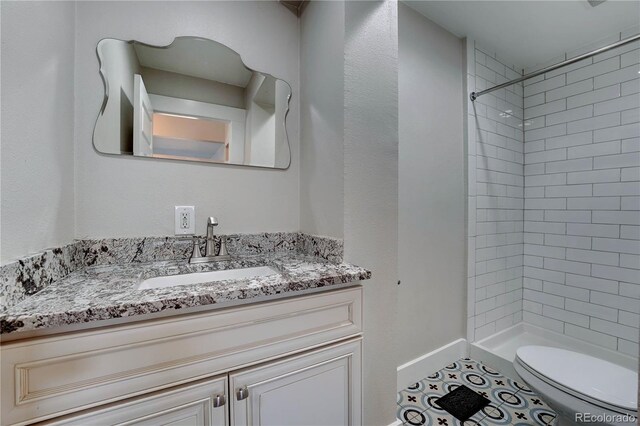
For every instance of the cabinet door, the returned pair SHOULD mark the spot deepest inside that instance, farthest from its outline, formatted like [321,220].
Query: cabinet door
[203,403]
[322,388]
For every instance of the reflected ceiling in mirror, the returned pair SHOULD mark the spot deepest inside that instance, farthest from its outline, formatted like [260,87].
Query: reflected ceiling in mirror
[192,100]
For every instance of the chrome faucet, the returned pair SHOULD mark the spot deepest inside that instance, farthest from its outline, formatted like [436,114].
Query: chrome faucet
[210,246]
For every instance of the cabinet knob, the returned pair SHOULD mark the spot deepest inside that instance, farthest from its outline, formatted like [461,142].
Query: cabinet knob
[242,393]
[219,401]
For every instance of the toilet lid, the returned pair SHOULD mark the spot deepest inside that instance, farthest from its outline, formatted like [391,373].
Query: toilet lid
[592,377]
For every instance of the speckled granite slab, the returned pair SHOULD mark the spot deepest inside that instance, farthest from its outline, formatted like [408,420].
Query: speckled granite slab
[31,274]
[331,249]
[110,251]
[110,291]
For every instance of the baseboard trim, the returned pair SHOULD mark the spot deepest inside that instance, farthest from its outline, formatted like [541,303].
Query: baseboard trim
[428,363]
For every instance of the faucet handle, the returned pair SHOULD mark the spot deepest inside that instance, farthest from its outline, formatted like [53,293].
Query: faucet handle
[223,246]
[195,253]
[212,221]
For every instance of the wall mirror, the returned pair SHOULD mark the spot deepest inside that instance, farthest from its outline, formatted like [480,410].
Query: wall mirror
[192,100]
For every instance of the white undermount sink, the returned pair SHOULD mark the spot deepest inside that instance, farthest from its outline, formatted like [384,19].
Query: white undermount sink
[206,277]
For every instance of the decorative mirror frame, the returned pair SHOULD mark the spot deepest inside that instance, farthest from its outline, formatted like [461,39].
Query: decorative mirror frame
[105,100]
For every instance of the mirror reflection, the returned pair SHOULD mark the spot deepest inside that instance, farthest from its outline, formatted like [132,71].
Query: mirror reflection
[193,100]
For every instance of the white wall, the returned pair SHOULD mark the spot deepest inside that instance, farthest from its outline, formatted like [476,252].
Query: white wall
[582,206]
[349,164]
[260,124]
[261,134]
[371,189]
[160,82]
[495,195]
[431,212]
[37,126]
[322,119]
[125,196]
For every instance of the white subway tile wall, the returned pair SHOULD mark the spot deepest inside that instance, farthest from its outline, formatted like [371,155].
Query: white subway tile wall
[582,199]
[554,198]
[496,192]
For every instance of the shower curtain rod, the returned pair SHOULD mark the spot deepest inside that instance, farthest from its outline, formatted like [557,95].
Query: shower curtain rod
[475,95]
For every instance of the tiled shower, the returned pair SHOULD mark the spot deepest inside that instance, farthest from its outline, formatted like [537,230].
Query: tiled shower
[554,186]
[496,196]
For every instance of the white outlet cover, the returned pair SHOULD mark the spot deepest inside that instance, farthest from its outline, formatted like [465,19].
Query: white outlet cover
[182,226]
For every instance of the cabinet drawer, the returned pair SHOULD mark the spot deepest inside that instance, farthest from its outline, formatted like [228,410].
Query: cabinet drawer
[185,405]
[53,376]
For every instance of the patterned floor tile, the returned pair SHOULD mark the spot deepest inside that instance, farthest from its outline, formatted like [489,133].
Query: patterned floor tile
[417,387]
[467,364]
[411,399]
[500,381]
[411,415]
[476,419]
[429,399]
[472,380]
[486,370]
[543,416]
[529,415]
[508,397]
[495,415]
[454,366]
[438,376]
[448,375]
[433,387]
[512,401]
[438,418]
[519,384]
[461,366]
[534,401]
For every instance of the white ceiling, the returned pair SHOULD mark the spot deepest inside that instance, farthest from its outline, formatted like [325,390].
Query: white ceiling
[196,57]
[529,33]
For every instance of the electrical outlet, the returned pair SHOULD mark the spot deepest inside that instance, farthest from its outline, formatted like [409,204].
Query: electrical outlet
[185,220]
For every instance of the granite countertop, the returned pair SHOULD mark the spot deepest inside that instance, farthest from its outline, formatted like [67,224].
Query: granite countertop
[110,292]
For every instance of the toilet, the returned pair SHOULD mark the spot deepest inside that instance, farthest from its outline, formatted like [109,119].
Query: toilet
[580,387]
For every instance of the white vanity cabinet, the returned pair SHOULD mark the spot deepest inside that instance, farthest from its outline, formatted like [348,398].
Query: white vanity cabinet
[288,361]
[319,387]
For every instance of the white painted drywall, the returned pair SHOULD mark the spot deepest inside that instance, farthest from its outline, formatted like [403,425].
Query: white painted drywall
[431,230]
[322,119]
[37,126]
[259,124]
[183,86]
[371,189]
[125,196]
